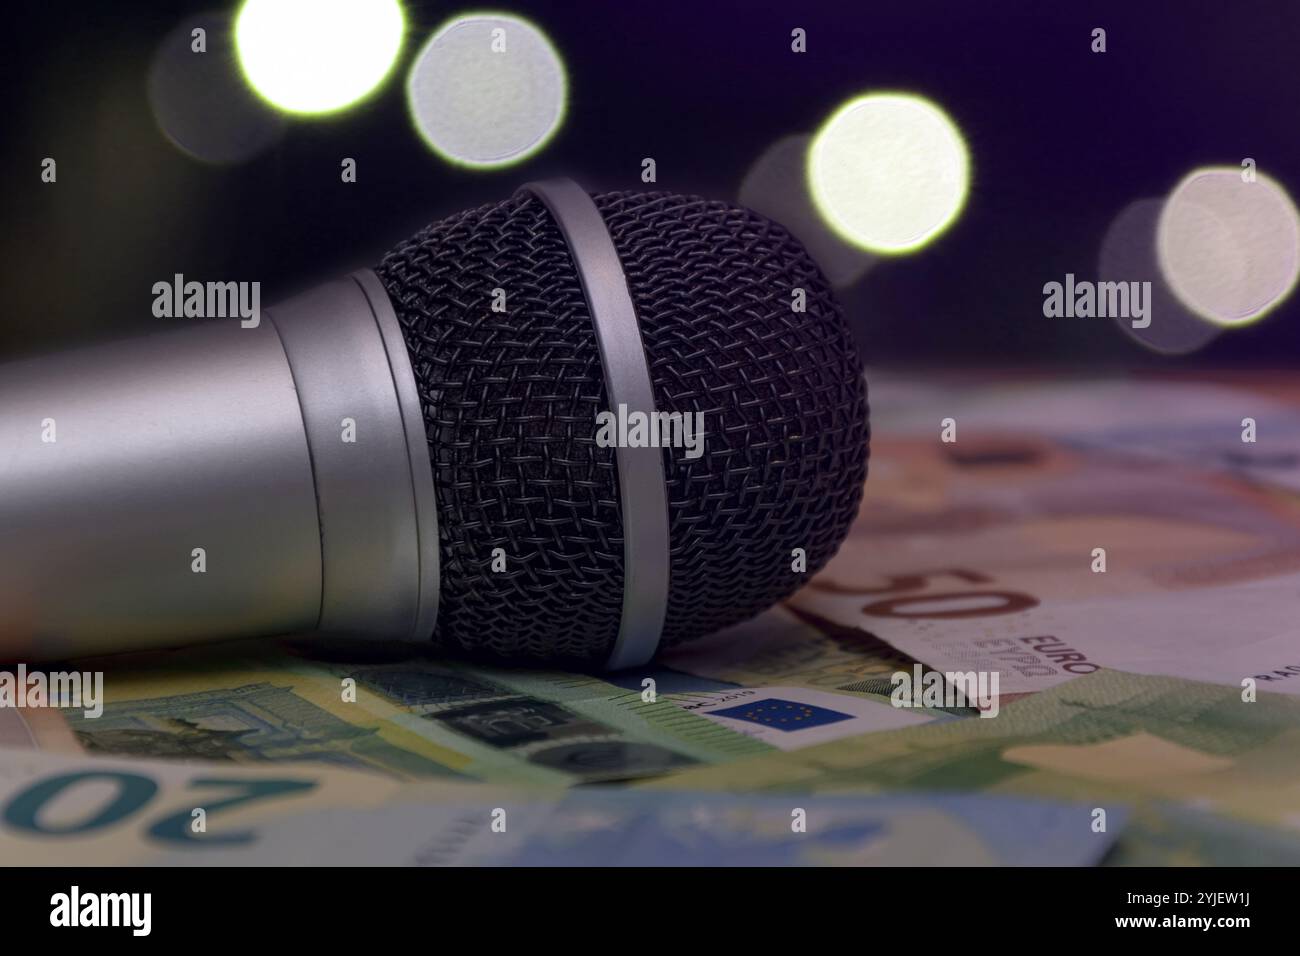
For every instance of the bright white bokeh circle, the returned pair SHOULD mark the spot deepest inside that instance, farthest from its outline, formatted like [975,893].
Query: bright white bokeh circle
[776,186]
[487,90]
[317,56]
[889,172]
[1128,254]
[1229,248]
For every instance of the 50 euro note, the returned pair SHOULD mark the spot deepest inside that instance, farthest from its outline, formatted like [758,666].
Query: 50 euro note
[1019,555]
[1244,424]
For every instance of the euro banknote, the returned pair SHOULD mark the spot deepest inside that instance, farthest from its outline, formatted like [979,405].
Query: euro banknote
[1163,834]
[1107,739]
[94,811]
[606,827]
[1242,424]
[57,810]
[788,645]
[403,712]
[388,710]
[88,810]
[1044,556]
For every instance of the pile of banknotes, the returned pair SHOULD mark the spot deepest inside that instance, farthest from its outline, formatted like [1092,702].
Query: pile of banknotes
[1100,580]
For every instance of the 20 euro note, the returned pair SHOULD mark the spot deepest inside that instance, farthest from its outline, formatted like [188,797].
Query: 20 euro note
[1015,554]
[602,827]
[91,811]
[57,810]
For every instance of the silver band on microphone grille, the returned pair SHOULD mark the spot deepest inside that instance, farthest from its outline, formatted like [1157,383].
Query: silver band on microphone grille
[641,486]
[378,541]
[417,449]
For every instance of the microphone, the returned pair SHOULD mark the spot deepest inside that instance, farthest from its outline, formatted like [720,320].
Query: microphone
[562,428]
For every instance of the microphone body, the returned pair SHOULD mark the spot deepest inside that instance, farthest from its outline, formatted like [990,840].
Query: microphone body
[412,452]
[219,481]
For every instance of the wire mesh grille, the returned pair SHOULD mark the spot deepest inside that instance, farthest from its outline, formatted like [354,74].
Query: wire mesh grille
[510,400]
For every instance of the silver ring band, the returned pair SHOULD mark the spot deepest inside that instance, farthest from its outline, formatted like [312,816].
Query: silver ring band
[417,447]
[642,491]
[374,496]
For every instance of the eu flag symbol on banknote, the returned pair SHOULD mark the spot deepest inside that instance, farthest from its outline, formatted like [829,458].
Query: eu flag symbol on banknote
[783,714]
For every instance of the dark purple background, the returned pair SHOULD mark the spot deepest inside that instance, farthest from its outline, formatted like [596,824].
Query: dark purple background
[1061,140]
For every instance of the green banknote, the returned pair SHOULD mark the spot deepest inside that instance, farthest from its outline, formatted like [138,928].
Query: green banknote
[1162,834]
[92,811]
[795,647]
[378,708]
[783,681]
[604,827]
[106,811]
[1104,740]
[57,809]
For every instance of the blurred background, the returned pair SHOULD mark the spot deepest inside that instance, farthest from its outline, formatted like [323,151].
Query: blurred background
[168,163]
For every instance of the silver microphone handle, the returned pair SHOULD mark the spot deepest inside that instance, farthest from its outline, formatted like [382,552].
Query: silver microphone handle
[216,482]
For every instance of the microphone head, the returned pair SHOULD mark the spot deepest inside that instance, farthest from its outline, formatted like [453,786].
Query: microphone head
[509,373]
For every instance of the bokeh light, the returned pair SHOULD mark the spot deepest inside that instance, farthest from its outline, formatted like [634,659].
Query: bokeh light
[200,102]
[487,90]
[889,172]
[1229,248]
[776,185]
[1128,254]
[317,56]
